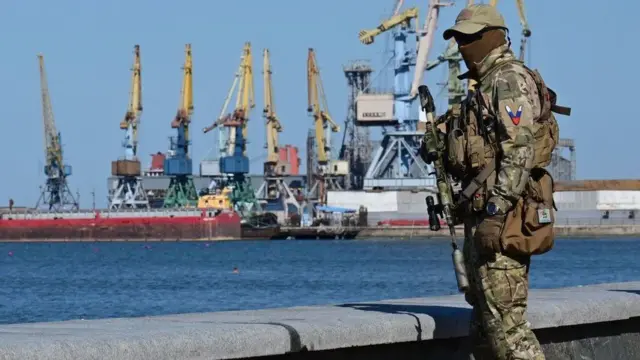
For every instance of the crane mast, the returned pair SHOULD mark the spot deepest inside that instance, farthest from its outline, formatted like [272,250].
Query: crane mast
[178,166]
[129,192]
[55,194]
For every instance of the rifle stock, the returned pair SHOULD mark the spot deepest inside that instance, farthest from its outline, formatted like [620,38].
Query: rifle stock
[444,209]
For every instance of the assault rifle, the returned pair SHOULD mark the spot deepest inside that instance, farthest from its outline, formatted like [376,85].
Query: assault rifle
[435,148]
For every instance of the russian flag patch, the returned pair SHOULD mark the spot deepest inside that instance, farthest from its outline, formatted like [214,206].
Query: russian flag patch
[515,118]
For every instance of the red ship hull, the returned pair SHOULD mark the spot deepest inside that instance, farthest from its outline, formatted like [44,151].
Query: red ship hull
[121,228]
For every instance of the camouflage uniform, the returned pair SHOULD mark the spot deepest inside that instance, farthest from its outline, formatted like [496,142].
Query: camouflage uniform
[498,282]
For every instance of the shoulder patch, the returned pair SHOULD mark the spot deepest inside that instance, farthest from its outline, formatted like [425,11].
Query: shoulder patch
[515,117]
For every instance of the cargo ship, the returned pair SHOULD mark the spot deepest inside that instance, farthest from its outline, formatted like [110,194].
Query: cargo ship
[164,225]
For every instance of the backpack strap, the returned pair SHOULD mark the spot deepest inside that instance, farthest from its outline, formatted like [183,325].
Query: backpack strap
[558,109]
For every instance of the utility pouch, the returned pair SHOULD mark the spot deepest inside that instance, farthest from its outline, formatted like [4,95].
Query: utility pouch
[476,151]
[529,226]
[456,150]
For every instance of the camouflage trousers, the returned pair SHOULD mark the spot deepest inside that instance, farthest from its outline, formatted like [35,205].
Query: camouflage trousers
[498,293]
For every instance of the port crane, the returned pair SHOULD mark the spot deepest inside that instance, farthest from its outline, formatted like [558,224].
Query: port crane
[328,174]
[55,194]
[526,31]
[274,188]
[129,192]
[178,166]
[234,164]
[395,164]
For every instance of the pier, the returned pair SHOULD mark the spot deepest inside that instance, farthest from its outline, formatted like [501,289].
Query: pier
[589,322]
[404,232]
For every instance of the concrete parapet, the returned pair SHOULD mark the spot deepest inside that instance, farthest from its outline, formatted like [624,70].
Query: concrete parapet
[591,322]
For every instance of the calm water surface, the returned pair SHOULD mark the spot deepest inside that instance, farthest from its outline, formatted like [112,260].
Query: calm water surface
[61,281]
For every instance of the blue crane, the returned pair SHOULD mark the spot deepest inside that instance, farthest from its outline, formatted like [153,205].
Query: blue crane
[395,164]
[182,191]
[55,194]
[234,164]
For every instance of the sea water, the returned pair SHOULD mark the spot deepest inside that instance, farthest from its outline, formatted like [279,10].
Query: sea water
[62,281]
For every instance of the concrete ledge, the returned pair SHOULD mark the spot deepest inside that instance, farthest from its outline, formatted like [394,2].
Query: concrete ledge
[394,329]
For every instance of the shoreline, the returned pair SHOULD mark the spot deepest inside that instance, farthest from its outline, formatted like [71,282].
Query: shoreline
[386,232]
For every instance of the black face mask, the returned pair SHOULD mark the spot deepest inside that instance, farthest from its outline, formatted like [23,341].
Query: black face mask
[476,47]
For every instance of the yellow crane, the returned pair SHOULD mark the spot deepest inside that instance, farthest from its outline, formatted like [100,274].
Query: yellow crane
[55,193]
[404,18]
[134,110]
[329,172]
[273,123]
[129,192]
[185,109]
[274,187]
[319,110]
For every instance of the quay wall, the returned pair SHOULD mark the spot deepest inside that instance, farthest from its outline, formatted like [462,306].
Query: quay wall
[590,322]
[562,231]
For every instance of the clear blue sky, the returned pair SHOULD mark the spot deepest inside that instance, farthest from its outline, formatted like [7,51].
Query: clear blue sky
[88,53]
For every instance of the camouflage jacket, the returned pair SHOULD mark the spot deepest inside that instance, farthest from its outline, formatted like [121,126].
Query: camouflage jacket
[510,96]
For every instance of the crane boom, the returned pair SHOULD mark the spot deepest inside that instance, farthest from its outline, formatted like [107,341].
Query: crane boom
[246,96]
[52,145]
[134,109]
[367,36]
[273,123]
[185,109]
[425,44]
[398,6]
[319,110]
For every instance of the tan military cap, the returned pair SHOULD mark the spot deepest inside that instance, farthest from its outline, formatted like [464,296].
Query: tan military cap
[475,18]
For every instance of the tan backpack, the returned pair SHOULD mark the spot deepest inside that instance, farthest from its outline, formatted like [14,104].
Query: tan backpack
[547,131]
[529,227]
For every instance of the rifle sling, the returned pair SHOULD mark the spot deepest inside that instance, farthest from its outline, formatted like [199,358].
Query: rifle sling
[477,181]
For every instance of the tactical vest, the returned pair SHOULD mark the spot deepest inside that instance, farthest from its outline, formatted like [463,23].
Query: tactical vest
[472,144]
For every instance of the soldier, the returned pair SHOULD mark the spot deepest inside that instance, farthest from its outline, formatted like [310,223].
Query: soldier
[498,144]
